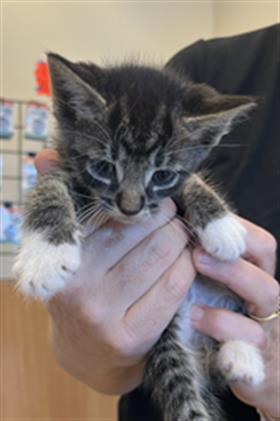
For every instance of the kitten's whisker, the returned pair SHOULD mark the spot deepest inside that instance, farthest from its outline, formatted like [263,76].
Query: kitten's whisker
[86,219]
[94,217]
[87,196]
[86,208]
[83,212]
[101,218]
[88,212]
[165,219]
[187,224]
[182,221]
[91,203]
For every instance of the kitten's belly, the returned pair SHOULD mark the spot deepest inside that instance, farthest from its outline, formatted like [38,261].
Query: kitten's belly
[209,293]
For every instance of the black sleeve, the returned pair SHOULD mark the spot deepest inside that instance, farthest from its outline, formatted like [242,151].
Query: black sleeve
[247,164]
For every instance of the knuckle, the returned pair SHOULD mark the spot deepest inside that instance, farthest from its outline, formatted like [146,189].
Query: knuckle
[165,244]
[160,251]
[260,337]
[219,323]
[216,322]
[157,252]
[176,288]
[178,231]
[118,347]
[273,294]
[269,244]
[117,342]
[95,314]
[125,344]
[231,271]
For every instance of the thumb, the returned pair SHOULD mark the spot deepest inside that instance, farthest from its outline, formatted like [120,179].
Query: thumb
[46,161]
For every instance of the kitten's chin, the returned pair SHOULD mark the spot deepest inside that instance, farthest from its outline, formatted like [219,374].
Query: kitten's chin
[130,219]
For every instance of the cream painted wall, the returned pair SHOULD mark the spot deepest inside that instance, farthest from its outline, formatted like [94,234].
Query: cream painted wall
[107,31]
[94,31]
[233,17]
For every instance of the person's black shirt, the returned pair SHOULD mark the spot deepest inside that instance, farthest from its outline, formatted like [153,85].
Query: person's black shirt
[247,165]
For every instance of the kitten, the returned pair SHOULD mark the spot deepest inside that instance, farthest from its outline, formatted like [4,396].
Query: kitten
[127,137]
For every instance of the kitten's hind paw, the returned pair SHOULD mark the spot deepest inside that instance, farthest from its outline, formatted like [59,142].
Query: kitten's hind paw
[224,238]
[42,268]
[240,361]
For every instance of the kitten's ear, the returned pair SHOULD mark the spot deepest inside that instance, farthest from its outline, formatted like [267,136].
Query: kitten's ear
[214,115]
[71,87]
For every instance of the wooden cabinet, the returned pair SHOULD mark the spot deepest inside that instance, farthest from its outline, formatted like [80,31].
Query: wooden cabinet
[32,386]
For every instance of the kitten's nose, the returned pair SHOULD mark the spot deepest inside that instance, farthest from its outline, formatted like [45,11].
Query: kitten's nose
[130,202]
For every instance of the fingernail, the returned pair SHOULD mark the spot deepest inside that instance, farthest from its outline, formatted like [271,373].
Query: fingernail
[205,259]
[197,313]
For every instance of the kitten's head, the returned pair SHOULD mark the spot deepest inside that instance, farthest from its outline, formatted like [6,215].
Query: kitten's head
[131,135]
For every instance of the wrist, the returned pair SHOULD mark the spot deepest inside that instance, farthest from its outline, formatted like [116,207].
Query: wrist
[118,381]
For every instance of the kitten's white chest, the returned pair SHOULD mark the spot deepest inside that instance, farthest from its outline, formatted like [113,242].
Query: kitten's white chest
[203,292]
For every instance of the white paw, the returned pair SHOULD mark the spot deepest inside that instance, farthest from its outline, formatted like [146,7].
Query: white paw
[42,268]
[224,238]
[240,361]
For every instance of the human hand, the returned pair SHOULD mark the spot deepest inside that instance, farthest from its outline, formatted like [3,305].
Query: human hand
[252,278]
[131,282]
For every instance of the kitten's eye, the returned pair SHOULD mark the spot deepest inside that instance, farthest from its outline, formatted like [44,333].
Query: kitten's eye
[164,177]
[102,170]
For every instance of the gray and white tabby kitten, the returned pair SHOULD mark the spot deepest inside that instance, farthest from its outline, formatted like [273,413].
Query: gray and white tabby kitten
[127,137]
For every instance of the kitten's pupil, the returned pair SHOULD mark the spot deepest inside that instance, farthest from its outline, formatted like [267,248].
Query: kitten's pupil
[103,168]
[162,177]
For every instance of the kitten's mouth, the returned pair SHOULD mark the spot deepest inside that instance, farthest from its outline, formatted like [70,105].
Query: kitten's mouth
[114,212]
[129,219]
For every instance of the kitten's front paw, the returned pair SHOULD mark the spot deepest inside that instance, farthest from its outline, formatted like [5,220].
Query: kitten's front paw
[224,238]
[240,361]
[43,268]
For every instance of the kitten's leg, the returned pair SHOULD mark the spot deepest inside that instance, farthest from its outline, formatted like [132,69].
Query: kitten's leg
[241,361]
[222,236]
[50,251]
[173,380]
[219,232]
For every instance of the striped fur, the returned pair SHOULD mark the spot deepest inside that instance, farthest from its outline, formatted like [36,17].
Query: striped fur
[127,137]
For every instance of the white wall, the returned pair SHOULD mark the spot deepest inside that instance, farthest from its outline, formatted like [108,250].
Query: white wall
[233,17]
[94,31]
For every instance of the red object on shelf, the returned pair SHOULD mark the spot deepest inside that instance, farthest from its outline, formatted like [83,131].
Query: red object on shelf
[42,77]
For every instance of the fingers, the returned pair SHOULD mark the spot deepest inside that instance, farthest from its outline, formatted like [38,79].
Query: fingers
[107,246]
[261,247]
[139,270]
[224,325]
[151,314]
[259,290]
[46,160]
